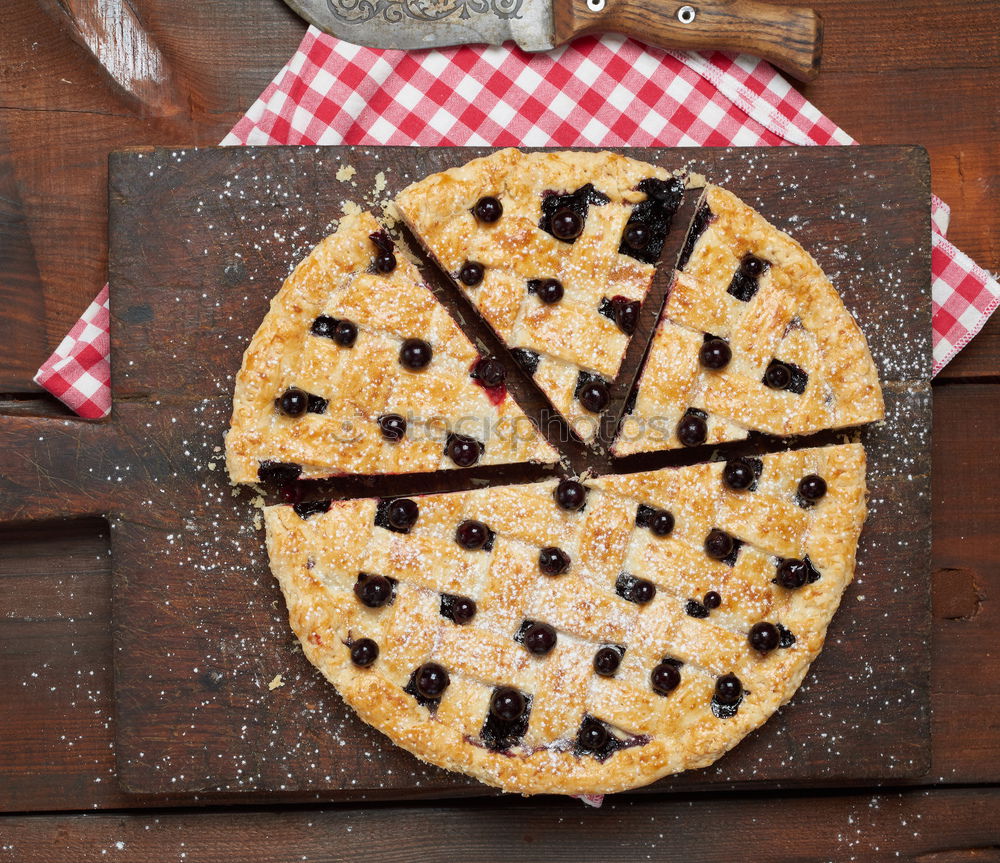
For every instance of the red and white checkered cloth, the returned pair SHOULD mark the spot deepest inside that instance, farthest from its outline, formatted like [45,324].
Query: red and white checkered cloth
[609,91]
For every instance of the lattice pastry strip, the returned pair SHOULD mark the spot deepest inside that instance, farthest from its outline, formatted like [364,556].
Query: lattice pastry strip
[577,637]
[358,369]
[753,336]
[557,252]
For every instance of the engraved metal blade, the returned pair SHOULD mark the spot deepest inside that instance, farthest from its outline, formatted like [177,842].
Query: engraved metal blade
[410,24]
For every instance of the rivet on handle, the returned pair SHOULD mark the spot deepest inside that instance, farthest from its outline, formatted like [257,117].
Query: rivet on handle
[686,14]
[596,5]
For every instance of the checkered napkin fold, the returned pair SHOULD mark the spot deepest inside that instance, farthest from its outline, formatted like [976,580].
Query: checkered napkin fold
[609,91]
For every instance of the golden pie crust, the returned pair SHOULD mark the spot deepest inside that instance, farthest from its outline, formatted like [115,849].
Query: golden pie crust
[795,316]
[317,561]
[569,337]
[320,553]
[365,381]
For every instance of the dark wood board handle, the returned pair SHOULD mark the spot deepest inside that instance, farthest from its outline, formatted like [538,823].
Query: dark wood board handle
[790,37]
[57,468]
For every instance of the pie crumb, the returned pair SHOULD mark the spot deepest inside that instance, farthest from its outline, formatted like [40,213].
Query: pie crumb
[346,172]
[351,208]
[390,214]
[275,682]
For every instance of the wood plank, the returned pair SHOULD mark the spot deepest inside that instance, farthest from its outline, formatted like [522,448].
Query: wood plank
[966,665]
[201,597]
[51,562]
[55,467]
[918,34]
[22,323]
[55,667]
[941,826]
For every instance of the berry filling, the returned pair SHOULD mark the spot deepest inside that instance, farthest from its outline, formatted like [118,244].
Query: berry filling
[623,311]
[490,374]
[649,224]
[793,574]
[564,216]
[693,608]
[507,720]
[458,609]
[343,332]
[316,507]
[427,683]
[702,219]
[785,376]
[637,590]
[278,471]
[720,546]
[527,360]
[728,695]
[745,282]
[549,291]
[659,521]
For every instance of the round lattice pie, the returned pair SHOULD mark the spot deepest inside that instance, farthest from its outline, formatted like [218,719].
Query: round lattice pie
[580,635]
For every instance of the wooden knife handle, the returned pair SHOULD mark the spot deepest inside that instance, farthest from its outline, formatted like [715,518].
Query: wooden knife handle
[790,37]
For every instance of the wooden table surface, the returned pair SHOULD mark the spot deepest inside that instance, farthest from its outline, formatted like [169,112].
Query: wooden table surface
[170,72]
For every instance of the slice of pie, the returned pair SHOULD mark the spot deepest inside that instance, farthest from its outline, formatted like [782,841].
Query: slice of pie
[577,637]
[357,368]
[557,251]
[753,337]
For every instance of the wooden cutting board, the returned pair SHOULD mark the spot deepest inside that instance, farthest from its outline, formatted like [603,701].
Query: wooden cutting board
[200,241]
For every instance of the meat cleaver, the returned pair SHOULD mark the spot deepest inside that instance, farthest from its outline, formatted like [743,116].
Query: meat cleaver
[790,37]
